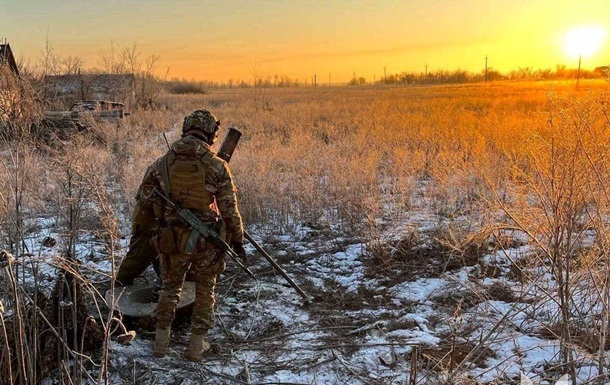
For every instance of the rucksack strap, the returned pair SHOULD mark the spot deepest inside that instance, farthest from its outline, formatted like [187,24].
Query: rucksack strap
[165,185]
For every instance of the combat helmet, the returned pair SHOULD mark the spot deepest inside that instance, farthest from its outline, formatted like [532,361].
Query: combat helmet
[202,120]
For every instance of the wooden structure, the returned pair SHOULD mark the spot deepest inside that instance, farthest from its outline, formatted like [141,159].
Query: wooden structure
[65,90]
[7,58]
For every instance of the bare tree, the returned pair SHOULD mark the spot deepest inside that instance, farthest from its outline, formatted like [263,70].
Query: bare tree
[72,65]
[18,107]
[115,60]
[50,62]
[110,61]
[131,57]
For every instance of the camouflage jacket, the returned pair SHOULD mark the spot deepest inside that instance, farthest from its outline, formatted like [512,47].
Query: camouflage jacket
[192,176]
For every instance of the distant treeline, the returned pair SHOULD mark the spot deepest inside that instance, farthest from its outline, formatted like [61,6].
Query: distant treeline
[561,72]
[184,86]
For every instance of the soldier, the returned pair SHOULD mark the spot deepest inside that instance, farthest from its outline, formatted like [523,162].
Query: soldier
[193,177]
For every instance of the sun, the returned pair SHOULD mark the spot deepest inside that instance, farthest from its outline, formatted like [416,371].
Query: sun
[584,41]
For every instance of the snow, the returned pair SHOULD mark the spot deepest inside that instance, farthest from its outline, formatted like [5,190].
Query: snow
[359,329]
[420,290]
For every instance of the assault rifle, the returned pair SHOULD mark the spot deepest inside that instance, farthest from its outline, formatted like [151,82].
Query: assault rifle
[197,225]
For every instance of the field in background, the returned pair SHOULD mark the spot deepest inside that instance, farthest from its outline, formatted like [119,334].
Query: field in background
[343,155]
[489,163]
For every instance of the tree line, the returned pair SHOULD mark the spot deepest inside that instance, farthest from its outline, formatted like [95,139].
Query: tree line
[115,59]
[561,72]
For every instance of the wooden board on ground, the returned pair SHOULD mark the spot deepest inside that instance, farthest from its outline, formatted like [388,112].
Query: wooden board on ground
[136,300]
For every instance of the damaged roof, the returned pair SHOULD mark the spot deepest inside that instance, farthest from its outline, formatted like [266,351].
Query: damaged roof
[6,56]
[117,87]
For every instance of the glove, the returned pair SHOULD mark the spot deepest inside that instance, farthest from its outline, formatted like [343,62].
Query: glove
[238,248]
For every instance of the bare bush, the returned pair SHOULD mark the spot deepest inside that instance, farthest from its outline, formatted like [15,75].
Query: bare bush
[561,202]
[366,164]
[19,107]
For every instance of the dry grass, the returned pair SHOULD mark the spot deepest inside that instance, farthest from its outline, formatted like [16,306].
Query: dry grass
[360,161]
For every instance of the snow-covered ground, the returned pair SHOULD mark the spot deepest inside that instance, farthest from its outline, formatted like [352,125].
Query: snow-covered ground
[367,324]
[358,330]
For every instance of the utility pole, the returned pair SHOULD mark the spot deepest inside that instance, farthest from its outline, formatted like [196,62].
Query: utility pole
[425,79]
[578,73]
[82,85]
[385,80]
[485,68]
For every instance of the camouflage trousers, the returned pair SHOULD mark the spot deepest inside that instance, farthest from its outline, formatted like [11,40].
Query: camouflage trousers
[205,264]
[141,251]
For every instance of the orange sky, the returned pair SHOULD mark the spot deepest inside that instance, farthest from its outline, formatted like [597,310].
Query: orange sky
[231,39]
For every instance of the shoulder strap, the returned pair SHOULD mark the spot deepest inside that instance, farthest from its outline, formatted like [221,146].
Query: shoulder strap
[165,185]
[206,158]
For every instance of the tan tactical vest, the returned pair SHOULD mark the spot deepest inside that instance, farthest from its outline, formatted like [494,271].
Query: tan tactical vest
[183,180]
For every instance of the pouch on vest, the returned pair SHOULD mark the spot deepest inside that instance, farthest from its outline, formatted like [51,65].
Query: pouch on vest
[220,229]
[166,241]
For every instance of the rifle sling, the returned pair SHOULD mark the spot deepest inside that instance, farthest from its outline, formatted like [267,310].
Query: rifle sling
[165,185]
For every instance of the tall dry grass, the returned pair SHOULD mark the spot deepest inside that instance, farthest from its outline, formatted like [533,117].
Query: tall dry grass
[341,154]
[560,199]
[354,161]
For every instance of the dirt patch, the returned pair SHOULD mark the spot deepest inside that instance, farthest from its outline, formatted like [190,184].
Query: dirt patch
[405,259]
[500,291]
[412,258]
[53,329]
[273,328]
[587,339]
[446,356]
[430,255]
[335,296]
[464,299]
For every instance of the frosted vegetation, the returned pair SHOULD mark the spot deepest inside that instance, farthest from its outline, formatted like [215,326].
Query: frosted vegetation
[449,235]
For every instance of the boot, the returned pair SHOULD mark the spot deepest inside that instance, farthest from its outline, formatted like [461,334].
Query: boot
[197,347]
[161,342]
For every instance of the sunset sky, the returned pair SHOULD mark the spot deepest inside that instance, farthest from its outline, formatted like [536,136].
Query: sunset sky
[220,40]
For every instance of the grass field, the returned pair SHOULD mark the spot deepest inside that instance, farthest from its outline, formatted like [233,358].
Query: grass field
[482,163]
